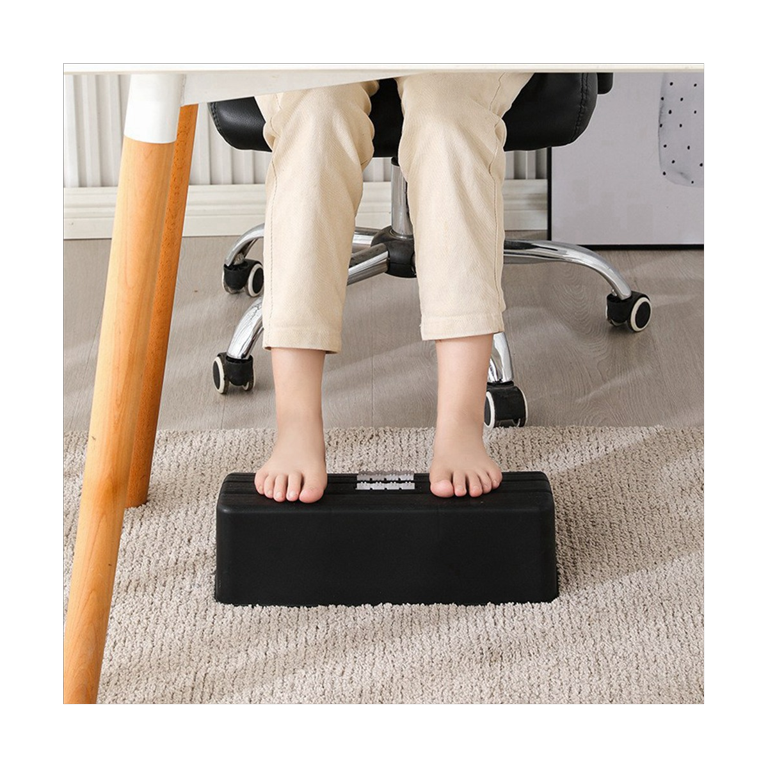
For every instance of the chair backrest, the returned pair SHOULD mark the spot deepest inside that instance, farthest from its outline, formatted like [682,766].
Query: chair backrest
[552,110]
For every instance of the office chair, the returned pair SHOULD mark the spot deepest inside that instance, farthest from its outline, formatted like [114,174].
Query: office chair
[553,109]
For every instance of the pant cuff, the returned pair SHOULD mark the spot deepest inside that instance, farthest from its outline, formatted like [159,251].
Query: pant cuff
[461,325]
[302,338]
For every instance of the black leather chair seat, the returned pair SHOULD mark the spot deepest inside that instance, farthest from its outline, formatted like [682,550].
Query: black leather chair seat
[551,111]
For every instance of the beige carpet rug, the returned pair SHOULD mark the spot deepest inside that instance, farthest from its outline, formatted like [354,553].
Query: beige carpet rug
[627,627]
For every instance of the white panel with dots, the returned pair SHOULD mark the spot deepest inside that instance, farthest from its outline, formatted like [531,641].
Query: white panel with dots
[681,128]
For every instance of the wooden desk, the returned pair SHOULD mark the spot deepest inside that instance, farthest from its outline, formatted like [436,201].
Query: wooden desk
[151,200]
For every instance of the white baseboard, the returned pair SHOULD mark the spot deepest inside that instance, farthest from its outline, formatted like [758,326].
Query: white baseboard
[233,209]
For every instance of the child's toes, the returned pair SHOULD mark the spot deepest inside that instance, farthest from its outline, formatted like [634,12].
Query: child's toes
[313,487]
[440,483]
[294,486]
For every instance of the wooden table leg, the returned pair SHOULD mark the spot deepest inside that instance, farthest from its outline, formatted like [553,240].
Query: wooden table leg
[160,327]
[145,174]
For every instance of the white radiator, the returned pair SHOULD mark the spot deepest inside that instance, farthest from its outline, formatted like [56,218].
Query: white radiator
[94,111]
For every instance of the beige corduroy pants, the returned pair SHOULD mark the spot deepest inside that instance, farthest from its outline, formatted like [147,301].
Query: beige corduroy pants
[452,156]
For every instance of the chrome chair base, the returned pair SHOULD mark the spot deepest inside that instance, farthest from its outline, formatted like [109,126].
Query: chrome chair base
[390,250]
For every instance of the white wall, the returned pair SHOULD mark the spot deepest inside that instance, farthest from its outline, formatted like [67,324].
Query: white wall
[226,185]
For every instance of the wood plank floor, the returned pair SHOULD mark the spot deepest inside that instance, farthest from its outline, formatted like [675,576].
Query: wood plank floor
[574,368]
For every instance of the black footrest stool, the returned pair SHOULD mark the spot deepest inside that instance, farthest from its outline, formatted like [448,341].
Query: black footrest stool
[387,538]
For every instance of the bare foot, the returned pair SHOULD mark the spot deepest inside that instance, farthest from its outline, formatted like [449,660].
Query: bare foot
[461,464]
[296,469]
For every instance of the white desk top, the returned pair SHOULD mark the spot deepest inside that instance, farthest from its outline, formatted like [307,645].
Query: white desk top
[387,70]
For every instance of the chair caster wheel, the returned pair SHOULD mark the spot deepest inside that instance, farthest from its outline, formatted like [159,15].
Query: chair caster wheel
[635,311]
[248,275]
[505,406]
[228,371]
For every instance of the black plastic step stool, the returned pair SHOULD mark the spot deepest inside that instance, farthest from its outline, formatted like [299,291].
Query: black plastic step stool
[387,539]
